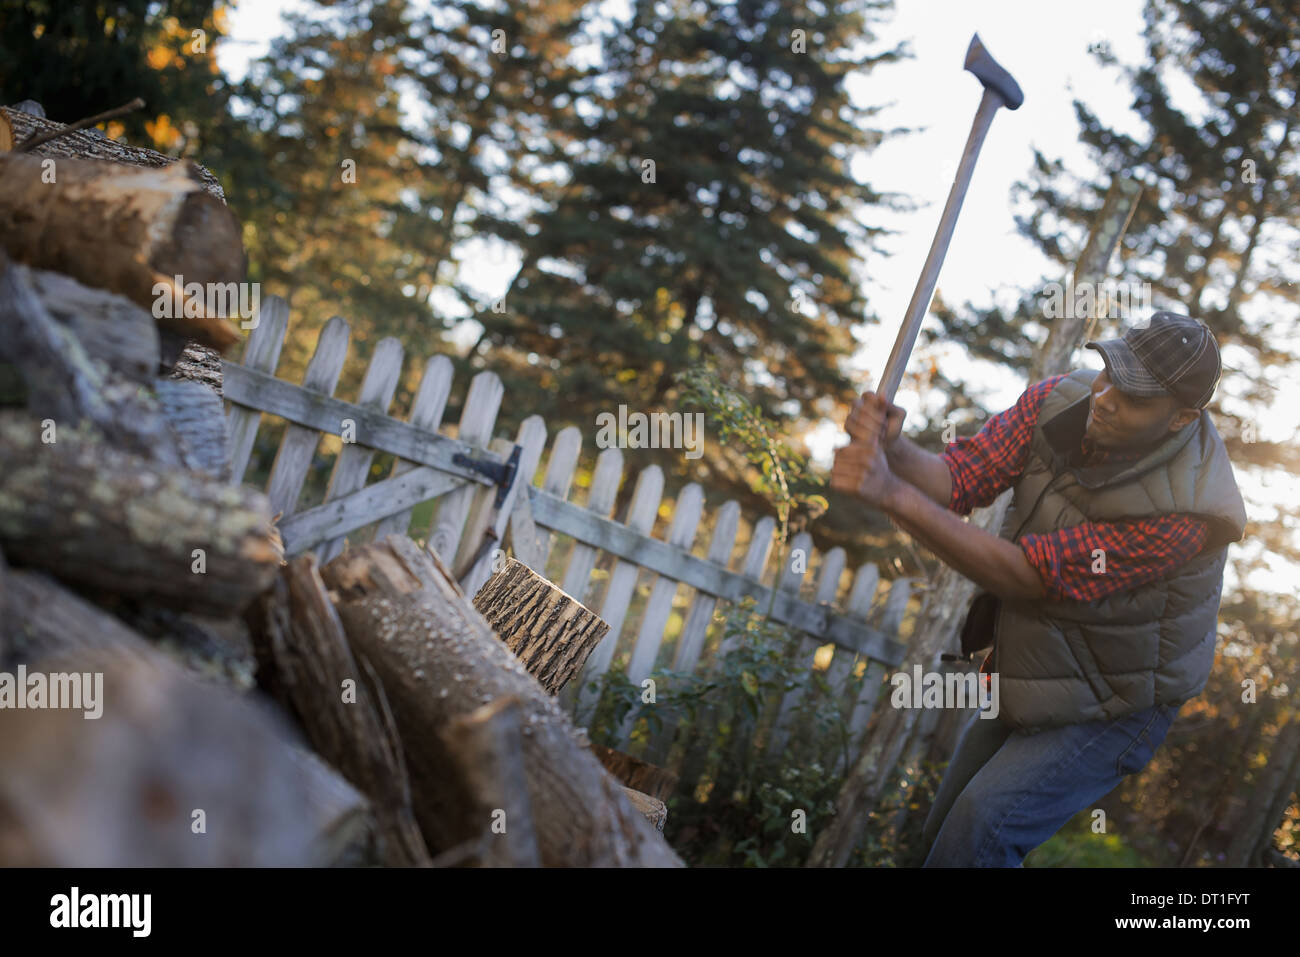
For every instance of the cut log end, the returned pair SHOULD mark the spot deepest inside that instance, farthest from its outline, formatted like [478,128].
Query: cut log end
[550,631]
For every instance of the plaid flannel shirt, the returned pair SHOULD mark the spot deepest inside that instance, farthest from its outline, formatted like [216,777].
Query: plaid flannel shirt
[1136,550]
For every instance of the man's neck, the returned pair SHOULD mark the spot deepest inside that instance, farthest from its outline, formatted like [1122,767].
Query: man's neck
[1090,451]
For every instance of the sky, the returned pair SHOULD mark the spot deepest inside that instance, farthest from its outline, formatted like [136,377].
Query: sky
[1045,46]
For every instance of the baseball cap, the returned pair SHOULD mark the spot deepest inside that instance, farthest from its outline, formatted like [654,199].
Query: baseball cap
[1172,355]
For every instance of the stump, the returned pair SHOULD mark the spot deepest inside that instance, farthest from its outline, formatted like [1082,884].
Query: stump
[550,631]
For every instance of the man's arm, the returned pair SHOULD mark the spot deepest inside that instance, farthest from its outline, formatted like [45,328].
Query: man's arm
[970,472]
[993,563]
[926,470]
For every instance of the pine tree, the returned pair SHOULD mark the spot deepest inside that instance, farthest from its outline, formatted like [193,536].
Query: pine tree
[707,216]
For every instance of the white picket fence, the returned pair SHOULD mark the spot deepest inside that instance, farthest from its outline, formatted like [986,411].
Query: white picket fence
[476,514]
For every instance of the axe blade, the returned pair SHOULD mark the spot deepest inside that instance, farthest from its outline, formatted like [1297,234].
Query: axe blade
[992,74]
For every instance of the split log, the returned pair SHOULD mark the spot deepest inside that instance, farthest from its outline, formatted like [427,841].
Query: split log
[652,809]
[106,519]
[305,662]
[166,233]
[123,789]
[551,632]
[635,773]
[62,382]
[485,746]
[111,328]
[438,660]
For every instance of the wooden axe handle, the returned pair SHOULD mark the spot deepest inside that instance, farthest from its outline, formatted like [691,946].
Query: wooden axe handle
[998,86]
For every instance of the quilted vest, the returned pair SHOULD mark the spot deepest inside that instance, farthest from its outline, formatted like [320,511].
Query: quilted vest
[1064,662]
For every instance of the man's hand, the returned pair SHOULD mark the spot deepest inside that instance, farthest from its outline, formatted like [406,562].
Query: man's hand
[872,417]
[860,469]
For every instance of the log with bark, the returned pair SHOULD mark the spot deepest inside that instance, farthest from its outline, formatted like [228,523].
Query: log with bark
[305,662]
[17,126]
[106,519]
[124,788]
[486,748]
[635,773]
[551,632]
[438,660]
[111,328]
[197,419]
[146,234]
[26,120]
[63,384]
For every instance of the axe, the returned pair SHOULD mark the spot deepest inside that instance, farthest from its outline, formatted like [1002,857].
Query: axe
[1000,89]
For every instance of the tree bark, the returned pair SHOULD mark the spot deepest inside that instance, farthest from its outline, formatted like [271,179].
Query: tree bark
[438,660]
[126,230]
[551,632]
[106,519]
[197,419]
[635,773]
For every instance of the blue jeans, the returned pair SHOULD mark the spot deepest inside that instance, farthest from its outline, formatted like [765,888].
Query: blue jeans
[1006,790]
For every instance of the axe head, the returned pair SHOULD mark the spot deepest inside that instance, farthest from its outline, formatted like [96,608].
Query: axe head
[993,76]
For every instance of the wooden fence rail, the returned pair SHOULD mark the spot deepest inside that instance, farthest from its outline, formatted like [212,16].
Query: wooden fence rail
[477,511]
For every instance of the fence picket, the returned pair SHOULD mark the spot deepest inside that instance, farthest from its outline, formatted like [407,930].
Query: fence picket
[828,582]
[640,518]
[353,463]
[299,442]
[790,580]
[891,617]
[426,413]
[686,519]
[476,422]
[559,478]
[757,554]
[843,661]
[700,616]
[261,351]
[600,500]
[531,439]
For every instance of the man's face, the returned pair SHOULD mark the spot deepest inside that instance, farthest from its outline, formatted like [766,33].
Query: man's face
[1117,420]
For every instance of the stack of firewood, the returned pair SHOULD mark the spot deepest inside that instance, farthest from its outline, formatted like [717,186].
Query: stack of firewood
[232,708]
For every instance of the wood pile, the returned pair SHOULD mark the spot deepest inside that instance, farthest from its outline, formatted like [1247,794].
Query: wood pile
[172,692]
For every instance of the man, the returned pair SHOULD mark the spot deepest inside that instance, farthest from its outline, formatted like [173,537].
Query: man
[1101,596]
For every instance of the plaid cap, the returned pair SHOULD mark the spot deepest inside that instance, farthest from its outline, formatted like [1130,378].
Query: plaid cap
[1172,355]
